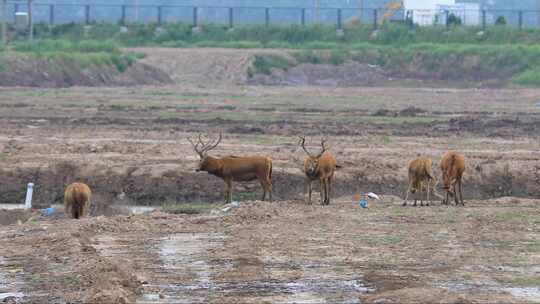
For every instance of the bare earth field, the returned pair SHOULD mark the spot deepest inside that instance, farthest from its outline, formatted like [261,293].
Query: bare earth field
[129,144]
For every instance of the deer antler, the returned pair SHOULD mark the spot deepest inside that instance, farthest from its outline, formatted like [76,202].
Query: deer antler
[196,146]
[211,145]
[324,148]
[204,147]
[302,143]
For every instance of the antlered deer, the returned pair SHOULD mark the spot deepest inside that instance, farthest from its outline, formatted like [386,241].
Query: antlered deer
[452,167]
[421,178]
[77,200]
[319,167]
[234,168]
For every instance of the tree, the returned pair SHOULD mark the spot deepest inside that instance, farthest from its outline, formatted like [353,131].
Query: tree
[453,20]
[500,21]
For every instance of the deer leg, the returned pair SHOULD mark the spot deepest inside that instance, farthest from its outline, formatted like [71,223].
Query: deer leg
[263,185]
[269,185]
[327,191]
[228,191]
[461,194]
[407,194]
[310,190]
[428,189]
[456,199]
[322,184]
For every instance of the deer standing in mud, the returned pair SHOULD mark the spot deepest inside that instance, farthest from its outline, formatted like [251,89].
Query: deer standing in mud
[234,168]
[320,167]
[421,178]
[77,200]
[452,168]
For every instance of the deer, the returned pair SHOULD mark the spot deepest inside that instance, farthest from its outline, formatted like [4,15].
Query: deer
[320,167]
[421,178]
[234,168]
[77,200]
[452,168]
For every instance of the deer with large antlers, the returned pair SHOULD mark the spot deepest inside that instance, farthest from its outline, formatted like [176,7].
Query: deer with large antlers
[234,168]
[320,167]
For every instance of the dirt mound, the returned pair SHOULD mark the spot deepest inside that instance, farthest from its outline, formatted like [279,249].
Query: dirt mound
[201,66]
[31,71]
[348,74]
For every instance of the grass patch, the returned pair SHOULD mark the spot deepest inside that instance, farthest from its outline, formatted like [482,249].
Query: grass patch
[83,54]
[529,77]
[512,216]
[526,281]
[83,46]
[313,36]
[379,239]
[264,63]
[187,208]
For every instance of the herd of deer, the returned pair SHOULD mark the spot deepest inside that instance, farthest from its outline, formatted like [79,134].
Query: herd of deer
[320,166]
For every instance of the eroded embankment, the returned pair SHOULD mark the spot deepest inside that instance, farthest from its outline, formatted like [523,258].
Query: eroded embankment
[142,186]
[58,72]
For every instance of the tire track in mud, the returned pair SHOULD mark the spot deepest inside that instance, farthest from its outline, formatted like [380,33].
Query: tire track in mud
[179,268]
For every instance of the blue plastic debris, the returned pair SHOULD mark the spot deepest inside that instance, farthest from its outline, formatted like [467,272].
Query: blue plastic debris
[47,211]
[362,203]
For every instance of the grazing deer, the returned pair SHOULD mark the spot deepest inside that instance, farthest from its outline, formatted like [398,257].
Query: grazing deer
[234,168]
[452,167]
[77,200]
[321,167]
[421,178]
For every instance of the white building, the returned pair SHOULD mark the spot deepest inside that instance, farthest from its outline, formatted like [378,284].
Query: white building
[469,13]
[429,12]
[424,11]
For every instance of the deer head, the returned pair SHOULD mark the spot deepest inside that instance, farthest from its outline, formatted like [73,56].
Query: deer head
[311,165]
[202,148]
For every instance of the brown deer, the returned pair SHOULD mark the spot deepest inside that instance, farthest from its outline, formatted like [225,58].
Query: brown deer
[452,168]
[319,167]
[421,178]
[234,168]
[77,200]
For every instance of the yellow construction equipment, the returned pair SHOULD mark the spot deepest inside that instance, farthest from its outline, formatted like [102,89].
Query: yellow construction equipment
[390,10]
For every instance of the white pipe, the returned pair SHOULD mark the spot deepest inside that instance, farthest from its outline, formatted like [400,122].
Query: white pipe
[29,192]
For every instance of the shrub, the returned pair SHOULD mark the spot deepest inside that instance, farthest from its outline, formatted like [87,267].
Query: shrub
[529,77]
[264,63]
[500,20]
[453,20]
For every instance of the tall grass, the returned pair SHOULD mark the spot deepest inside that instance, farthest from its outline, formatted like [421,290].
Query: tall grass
[83,53]
[441,61]
[83,46]
[297,36]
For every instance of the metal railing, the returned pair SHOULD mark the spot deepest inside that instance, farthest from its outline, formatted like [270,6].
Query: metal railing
[54,13]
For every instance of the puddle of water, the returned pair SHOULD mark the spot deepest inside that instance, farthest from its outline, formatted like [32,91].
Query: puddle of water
[526,293]
[11,206]
[529,294]
[187,254]
[9,287]
[132,209]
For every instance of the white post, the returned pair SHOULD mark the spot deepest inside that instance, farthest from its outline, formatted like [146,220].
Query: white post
[29,192]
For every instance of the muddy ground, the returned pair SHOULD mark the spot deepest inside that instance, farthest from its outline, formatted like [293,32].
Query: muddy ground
[129,144]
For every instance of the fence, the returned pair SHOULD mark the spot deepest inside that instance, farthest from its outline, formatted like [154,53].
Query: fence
[54,13]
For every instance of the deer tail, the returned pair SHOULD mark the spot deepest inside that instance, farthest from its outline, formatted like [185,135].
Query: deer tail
[269,168]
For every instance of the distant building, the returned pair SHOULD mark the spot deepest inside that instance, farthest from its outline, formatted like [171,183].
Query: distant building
[468,13]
